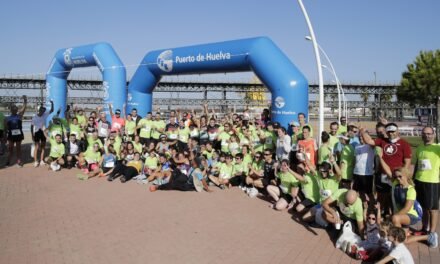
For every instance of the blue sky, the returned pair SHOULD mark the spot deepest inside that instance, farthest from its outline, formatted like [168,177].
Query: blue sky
[361,37]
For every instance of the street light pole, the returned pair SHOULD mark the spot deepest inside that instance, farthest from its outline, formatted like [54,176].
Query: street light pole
[333,71]
[339,92]
[318,64]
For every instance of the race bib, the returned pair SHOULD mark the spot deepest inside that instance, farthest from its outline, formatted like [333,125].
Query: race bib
[15,132]
[109,164]
[103,131]
[182,138]
[225,143]
[173,136]
[212,136]
[425,164]
[147,128]
[325,193]
[194,134]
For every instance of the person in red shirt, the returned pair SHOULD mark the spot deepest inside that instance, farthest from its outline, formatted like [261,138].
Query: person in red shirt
[396,154]
[118,122]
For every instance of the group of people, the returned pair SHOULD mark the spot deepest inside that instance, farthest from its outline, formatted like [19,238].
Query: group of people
[349,177]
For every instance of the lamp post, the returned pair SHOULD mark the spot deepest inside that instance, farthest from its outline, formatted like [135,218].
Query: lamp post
[333,71]
[318,64]
[339,92]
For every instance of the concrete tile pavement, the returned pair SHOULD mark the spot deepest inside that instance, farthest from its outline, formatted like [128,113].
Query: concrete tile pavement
[51,217]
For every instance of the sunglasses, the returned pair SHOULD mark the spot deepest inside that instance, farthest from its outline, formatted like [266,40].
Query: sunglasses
[267,154]
[371,218]
[257,157]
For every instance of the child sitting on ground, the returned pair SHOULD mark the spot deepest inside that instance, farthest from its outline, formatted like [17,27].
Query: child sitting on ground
[371,234]
[400,252]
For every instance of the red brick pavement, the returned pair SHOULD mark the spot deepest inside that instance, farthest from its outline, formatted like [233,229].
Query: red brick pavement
[51,217]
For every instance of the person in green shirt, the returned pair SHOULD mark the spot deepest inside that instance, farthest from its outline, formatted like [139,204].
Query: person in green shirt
[325,150]
[334,126]
[344,205]
[145,125]
[347,162]
[137,144]
[90,162]
[225,174]
[257,136]
[256,171]
[240,171]
[342,126]
[75,128]
[183,132]
[57,152]
[285,191]
[92,139]
[157,128]
[79,114]
[302,119]
[270,137]
[130,127]
[223,138]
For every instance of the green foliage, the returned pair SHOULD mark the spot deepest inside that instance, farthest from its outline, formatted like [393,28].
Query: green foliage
[420,84]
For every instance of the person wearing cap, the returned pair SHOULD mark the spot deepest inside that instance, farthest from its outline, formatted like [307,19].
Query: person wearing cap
[38,124]
[162,146]
[396,154]
[118,122]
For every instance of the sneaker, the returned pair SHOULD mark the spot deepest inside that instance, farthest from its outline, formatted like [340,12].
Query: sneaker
[433,240]
[42,163]
[53,166]
[36,164]
[58,167]
[19,164]
[110,178]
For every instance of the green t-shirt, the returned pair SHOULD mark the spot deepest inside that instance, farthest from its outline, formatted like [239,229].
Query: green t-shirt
[56,149]
[257,166]
[327,186]
[75,129]
[324,152]
[208,153]
[183,134]
[342,129]
[270,140]
[137,146]
[55,129]
[333,141]
[347,157]
[288,181]
[247,159]
[91,142]
[130,126]
[223,137]
[157,126]
[241,168]
[226,172]
[310,187]
[145,126]
[428,163]
[151,162]
[353,211]
[92,156]
[257,145]
[82,121]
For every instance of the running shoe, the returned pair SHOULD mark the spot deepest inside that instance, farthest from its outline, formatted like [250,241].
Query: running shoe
[433,240]
[36,164]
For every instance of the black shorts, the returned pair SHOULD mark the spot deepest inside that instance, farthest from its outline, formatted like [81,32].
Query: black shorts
[363,183]
[16,138]
[39,137]
[380,186]
[428,194]
[287,197]
[345,184]
[1,134]
[307,203]
[145,141]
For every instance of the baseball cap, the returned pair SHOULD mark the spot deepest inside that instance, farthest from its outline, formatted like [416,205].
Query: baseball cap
[294,123]
[118,111]
[391,127]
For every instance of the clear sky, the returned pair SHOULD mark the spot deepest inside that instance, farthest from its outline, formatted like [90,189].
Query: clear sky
[361,37]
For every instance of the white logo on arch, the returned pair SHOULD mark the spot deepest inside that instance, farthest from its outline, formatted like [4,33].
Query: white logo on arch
[66,55]
[280,102]
[105,87]
[165,61]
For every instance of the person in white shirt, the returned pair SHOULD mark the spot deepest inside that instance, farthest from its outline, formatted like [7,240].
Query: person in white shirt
[38,125]
[364,170]
[400,253]
[283,146]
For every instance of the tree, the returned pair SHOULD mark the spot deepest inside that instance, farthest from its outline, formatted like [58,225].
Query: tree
[420,84]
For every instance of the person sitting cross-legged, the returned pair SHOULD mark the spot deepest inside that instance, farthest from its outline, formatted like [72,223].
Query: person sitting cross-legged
[57,151]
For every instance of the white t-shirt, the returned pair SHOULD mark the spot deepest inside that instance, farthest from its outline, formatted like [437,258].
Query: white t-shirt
[401,255]
[39,121]
[364,160]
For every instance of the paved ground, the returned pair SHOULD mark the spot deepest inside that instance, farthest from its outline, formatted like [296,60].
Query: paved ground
[48,217]
[51,217]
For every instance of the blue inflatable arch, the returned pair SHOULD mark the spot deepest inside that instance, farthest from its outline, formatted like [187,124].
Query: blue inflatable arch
[99,54]
[287,84]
